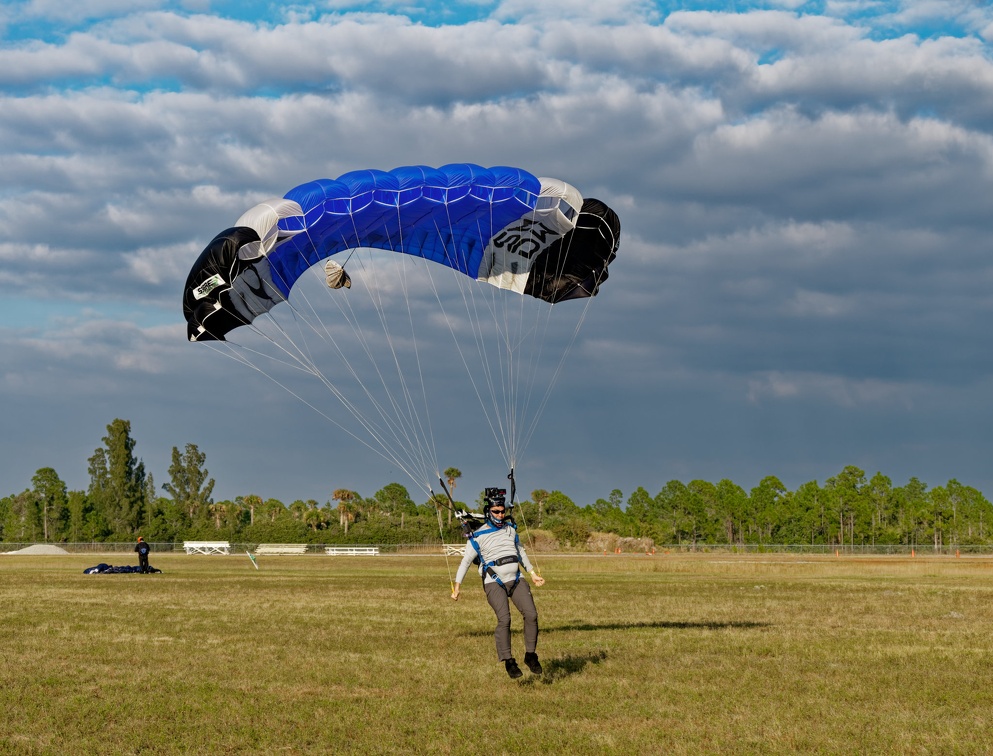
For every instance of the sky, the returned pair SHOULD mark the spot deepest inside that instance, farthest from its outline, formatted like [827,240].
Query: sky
[805,191]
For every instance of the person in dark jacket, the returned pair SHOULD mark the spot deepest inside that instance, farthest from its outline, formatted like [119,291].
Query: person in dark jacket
[142,548]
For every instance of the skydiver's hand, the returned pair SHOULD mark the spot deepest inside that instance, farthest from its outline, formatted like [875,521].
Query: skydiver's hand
[455,592]
[537,579]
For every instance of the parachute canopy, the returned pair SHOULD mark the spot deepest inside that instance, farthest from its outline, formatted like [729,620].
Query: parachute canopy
[503,226]
[339,291]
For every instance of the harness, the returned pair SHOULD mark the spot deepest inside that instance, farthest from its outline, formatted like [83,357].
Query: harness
[487,567]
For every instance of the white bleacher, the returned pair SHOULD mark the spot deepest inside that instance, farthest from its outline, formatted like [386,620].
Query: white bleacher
[207,547]
[266,549]
[351,550]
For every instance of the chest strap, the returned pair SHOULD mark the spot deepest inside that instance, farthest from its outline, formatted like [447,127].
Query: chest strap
[487,567]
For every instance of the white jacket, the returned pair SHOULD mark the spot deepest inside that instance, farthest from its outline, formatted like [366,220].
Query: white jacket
[494,543]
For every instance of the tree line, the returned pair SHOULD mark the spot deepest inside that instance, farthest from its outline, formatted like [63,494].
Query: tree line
[848,509]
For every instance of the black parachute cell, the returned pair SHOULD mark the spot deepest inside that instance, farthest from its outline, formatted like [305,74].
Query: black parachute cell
[576,265]
[211,304]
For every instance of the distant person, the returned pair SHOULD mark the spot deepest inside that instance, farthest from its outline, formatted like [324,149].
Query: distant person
[498,551]
[142,548]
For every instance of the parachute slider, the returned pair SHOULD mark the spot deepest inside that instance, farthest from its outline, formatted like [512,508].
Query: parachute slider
[469,521]
[464,515]
[336,276]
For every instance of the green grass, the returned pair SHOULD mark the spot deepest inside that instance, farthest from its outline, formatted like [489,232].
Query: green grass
[673,654]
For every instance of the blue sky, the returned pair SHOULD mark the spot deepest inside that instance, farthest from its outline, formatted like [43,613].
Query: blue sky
[805,191]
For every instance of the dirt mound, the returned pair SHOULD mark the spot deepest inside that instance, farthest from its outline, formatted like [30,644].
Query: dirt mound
[40,548]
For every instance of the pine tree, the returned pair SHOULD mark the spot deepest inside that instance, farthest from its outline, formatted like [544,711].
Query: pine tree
[117,480]
[188,482]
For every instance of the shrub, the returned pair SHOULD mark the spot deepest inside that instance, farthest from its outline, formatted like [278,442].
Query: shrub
[540,541]
[573,531]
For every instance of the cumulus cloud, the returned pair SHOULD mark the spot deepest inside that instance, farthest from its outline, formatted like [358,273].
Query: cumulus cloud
[805,196]
[836,389]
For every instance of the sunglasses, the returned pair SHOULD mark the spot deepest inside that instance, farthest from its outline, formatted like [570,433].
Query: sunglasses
[496,511]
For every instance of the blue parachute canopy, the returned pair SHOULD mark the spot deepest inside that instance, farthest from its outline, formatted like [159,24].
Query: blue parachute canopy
[501,226]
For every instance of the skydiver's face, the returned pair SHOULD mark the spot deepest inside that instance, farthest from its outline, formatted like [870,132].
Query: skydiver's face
[497,514]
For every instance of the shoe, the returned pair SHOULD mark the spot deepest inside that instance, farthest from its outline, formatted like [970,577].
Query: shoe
[512,669]
[531,660]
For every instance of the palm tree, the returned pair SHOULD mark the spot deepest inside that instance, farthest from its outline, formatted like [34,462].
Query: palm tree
[452,474]
[218,509]
[315,518]
[346,514]
[539,497]
[252,501]
[233,513]
[272,509]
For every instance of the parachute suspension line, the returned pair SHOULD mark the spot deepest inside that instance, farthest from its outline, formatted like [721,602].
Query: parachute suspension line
[524,338]
[302,356]
[470,370]
[404,421]
[539,343]
[503,379]
[392,452]
[493,415]
[378,434]
[441,527]
[429,434]
[403,415]
[478,325]
[418,439]
[392,424]
[405,408]
[518,369]
[450,322]
[310,366]
[527,530]
[494,364]
[441,532]
[502,323]
[231,353]
[587,301]
[519,329]
[525,386]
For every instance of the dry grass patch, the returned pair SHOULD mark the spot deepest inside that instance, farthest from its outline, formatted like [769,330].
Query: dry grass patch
[687,654]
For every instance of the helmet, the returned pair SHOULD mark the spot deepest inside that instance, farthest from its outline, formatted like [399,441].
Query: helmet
[495,497]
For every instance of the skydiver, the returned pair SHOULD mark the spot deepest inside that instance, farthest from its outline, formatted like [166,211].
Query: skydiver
[500,554]
[142,548]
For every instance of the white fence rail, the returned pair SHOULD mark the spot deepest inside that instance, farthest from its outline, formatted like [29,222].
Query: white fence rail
[351,550]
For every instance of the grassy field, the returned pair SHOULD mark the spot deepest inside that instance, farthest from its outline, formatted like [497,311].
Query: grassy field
[668,654]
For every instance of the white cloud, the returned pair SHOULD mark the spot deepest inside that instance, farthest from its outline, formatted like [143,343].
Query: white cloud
[589,11]
[835,389]
[806,201]
[157,265]
[818,304]
[83,10]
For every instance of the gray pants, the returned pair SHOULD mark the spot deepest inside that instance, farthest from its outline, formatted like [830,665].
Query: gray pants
[524,602]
